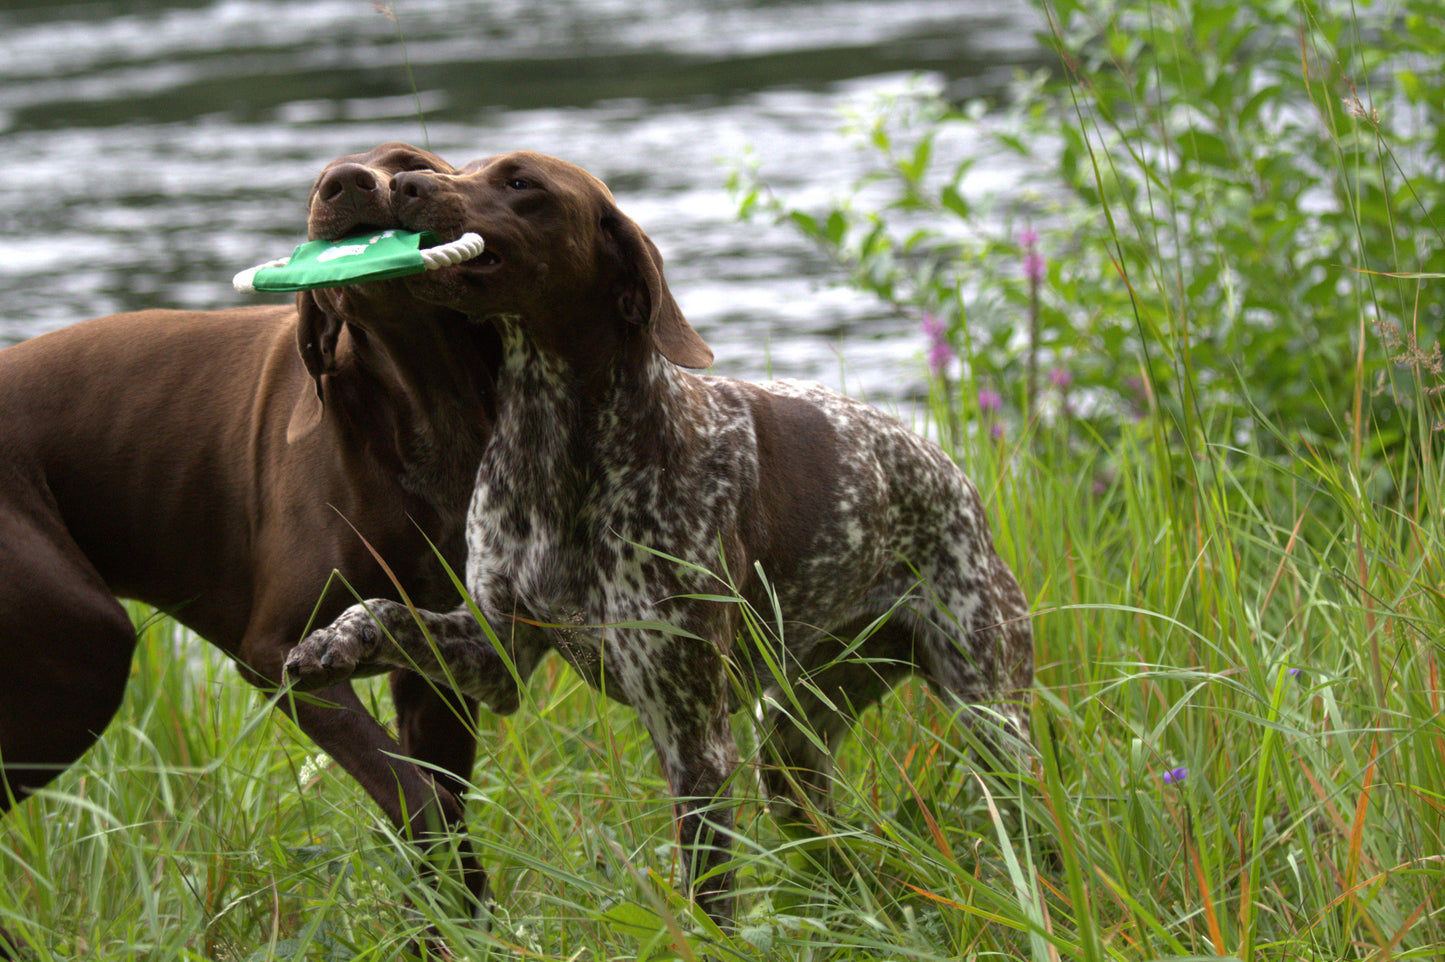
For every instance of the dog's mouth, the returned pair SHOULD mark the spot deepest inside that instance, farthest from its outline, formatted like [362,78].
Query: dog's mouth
[484,263]
[336,232]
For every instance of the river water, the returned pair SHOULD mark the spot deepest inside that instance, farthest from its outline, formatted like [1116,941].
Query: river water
[153,148]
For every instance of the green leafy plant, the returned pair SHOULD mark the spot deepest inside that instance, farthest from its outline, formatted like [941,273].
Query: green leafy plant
[1228,203]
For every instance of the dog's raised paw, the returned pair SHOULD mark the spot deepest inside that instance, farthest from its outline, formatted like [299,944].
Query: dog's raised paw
[332,654]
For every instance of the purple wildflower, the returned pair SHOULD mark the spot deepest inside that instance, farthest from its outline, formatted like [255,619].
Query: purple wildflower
[1174,776]
[938,357]
[1034,268]
[989,401]
[1061,378]
[940,352]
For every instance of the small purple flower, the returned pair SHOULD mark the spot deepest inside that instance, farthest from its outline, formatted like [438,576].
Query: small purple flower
[1174,776]
[995,431]
[940,352]
[1061,378]
[989,401]
[1034,267]
[939,355]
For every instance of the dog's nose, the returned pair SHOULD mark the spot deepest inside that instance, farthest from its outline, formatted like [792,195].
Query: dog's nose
[412,186]
[347,184]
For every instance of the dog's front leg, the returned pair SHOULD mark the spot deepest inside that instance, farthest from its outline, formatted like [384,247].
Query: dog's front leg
[378,635]
[680,690]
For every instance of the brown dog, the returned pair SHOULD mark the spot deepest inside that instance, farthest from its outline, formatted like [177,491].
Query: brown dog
[220,466]
[614,482]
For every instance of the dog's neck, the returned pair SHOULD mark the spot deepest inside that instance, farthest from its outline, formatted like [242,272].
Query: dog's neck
[578,432]
[437,379]
[582,462]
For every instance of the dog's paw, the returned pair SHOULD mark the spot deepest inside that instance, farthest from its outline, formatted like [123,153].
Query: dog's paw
[335,653]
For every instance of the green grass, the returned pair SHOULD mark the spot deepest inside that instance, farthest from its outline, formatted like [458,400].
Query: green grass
[1309,825]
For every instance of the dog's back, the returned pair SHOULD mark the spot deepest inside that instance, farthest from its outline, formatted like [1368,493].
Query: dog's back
[134,430]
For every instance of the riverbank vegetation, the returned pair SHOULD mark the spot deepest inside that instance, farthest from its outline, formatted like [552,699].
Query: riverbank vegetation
[1192,361]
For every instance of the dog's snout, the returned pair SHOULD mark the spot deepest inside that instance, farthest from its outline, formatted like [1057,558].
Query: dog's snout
[347,183]
[412,186]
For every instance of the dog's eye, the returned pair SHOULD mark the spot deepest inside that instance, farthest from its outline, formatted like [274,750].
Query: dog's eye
[520,183]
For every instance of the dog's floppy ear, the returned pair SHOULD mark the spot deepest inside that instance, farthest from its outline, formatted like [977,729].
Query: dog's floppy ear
[644,299]
[317,332]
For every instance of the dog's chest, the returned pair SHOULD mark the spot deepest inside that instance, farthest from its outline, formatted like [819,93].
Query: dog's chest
[609,520]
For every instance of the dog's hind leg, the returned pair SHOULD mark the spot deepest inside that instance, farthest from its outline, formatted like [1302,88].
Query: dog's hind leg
[986,666]
[803,725]
[978,646]
[67,646]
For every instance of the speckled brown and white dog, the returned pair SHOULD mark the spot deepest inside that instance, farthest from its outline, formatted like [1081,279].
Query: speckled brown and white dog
[619,496]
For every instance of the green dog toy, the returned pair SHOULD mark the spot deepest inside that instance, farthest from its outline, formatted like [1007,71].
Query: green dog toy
[369,257]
